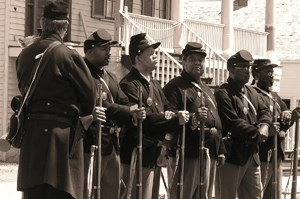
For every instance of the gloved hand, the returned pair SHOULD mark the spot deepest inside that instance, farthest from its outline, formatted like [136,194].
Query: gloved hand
[183,117]
[169,114]
[286,116]
[263,132]
[221,160]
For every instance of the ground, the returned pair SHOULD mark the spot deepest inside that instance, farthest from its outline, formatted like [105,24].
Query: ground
[8,187]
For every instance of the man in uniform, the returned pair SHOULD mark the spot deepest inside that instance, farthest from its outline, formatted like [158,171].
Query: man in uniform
[160,118]
[51,159]
[263,74]
[118,112]
[193,69]
[245,123]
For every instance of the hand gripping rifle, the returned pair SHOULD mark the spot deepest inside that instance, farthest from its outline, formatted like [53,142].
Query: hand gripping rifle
[201,154]
[274,156]
[296,116]
[181,157]
[94,174]
[139,183]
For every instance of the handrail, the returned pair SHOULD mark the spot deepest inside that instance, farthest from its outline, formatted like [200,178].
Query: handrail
[167,62]
[215,66]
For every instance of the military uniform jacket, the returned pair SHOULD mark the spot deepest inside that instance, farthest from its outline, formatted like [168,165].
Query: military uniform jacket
[174,91]
[242,127]
[64,92]
[279,107]
[117,113]
[154,126]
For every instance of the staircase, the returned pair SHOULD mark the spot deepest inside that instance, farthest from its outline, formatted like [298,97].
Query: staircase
[164,30]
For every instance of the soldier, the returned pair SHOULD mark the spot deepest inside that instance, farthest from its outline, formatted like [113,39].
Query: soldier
[193,68]
[118,112]
[51,159]
[245,124]
[263,74]
[160,115]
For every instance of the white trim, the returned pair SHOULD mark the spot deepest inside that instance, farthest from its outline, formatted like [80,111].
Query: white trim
[5,80]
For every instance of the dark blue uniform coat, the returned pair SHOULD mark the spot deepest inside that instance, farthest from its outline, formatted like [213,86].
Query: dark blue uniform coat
[243,127]
[64,92]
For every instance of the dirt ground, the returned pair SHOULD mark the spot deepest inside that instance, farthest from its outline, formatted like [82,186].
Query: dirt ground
[8,179]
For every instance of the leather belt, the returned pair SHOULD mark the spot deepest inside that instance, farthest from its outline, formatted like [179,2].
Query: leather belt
[53,117]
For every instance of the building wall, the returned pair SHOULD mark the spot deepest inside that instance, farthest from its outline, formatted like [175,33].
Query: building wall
[2,60]
[91,24]
[289,88]
[17,21]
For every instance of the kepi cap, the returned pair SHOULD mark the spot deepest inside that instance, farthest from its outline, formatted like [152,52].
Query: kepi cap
[56,10]
[138,43]
[260,64]
[98,38]
[191,47]
[242,58]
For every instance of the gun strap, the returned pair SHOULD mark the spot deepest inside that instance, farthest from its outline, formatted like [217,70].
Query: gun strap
[37,73]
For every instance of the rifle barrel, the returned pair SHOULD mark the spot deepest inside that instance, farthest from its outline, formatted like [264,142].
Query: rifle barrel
[295,162]
[201,154]
[274,158]
[181,158]
[139,181]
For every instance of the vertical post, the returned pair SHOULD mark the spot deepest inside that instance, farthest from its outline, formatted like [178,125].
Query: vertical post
[177,15]
[270,16]
[228,32]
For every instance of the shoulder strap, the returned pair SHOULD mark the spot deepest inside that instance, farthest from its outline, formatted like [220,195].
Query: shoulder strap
[37,73]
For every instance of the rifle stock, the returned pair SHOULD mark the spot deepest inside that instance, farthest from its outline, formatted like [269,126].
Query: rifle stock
[181,157]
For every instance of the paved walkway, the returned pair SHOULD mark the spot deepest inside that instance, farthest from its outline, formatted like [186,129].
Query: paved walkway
[8,189]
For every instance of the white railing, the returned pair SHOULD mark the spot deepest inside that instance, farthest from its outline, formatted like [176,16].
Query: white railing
[211,33]
[215,64]
[160,29]
[253,41]
[167,68]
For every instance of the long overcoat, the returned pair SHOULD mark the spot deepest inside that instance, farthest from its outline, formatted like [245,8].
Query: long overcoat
[64,92]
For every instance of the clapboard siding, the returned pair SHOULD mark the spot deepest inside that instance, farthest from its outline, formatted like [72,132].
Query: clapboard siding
[290,80]
[137,6]
[91,24]
[2,60]
[17,21]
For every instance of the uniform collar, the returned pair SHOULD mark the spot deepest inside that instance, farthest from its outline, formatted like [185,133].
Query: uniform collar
[189,78]
[95,70]
[234,85]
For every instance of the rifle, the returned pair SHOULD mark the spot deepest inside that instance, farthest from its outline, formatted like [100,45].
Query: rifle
[274,156]
[201,154]
[139,183]
[181,158]
[296,115]
[94,178]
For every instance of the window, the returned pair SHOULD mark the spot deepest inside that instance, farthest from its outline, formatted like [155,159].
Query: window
[33,13]
[103,9]
[157,8]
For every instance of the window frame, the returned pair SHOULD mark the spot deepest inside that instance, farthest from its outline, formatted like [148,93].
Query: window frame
[103,14]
